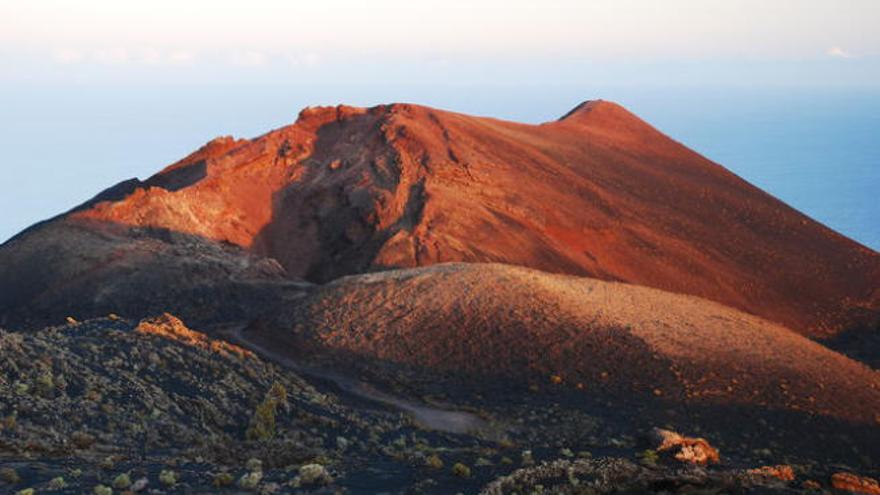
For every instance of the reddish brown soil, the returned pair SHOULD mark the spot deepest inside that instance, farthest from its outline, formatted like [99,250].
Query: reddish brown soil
[561,331]
[598,193]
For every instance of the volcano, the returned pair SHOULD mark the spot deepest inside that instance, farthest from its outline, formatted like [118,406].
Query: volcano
[346,190]
[370,293]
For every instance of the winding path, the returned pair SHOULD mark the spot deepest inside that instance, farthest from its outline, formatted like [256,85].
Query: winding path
[424,415]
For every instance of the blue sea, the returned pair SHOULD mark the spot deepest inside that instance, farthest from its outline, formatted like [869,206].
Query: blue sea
[817,149]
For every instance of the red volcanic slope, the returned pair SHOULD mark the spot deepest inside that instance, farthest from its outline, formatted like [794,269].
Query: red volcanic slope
[598,193]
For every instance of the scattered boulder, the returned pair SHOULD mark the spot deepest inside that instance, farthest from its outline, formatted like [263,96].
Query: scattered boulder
[139,485]
[781,472]
[685,449]
[852,483]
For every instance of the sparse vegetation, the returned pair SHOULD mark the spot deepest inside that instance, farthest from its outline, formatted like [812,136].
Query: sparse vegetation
[313,440]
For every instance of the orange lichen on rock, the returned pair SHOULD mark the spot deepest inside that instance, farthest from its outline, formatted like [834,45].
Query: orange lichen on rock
[855,484]
[170,327]
[782,472]
[685,449]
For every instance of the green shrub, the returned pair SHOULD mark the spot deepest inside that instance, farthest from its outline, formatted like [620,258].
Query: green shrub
[10,422]
[648,457]
[314,474]
[122,481]
[262,426]
[251,480]
[223,479]
[168,477]
[45,383]
[9,475]
[434,461]
[461,470]
[278,392]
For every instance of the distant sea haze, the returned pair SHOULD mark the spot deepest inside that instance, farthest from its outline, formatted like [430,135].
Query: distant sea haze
[816,149]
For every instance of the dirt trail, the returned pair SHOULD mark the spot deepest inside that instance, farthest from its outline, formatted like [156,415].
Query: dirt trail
[426,416]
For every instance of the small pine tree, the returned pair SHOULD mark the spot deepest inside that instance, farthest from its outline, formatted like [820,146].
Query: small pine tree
[262,426]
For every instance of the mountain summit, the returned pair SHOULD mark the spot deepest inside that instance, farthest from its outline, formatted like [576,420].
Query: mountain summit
[348,190]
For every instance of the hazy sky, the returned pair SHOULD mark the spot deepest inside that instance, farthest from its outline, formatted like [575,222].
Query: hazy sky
[454,41]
